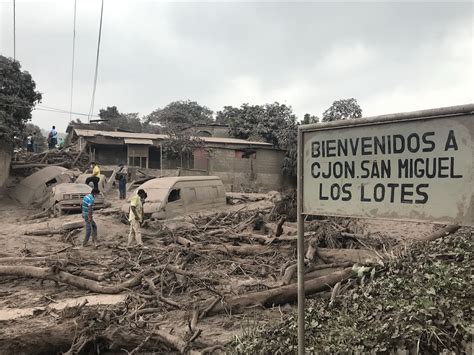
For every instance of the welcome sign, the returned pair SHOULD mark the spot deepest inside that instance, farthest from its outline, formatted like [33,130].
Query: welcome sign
[414,166]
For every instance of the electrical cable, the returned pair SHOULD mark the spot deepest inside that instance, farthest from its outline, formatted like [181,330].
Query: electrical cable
[49,110]
[73,54]
[97,61]
[14,29]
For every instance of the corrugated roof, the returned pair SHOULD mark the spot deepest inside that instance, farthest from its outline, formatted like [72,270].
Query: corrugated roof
[94,133]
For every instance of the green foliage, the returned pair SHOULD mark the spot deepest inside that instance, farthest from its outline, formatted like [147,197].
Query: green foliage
[180,115]
[125,121]
[308,119]
[39,139]
[272,123]
[18,96]
[342,110]
[422,301]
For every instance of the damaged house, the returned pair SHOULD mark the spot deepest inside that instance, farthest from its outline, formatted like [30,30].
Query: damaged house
[241,164]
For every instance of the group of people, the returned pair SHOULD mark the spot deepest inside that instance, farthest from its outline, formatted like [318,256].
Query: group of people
[32,140]
[136,212]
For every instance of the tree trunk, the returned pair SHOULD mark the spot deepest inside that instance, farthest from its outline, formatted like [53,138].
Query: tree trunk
[279,295]
[67,278]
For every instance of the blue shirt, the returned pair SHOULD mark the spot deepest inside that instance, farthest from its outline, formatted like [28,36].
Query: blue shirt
[87,203]
[54,133]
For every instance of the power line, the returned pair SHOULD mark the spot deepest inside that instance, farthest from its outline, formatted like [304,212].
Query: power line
[97,60]
[49,109]
[73,52]
[14,29]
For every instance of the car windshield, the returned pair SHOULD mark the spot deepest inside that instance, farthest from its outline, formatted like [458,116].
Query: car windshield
[156,195]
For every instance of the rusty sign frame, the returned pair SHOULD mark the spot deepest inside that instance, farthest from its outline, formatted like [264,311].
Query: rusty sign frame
[443,112]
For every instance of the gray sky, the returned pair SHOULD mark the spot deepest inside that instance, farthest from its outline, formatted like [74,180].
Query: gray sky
[391,57]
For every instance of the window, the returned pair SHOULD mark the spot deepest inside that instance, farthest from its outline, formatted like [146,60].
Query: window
[174,195]
[51,182]
[137,161]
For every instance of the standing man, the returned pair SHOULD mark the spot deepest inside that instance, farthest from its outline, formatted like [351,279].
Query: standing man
[136,217]
[122,185]
[29,144]
[53,138]
[95,177]
[35,143]
[87,207]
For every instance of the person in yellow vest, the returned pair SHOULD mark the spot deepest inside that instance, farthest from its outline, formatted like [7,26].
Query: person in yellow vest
[95,177]
[136,217]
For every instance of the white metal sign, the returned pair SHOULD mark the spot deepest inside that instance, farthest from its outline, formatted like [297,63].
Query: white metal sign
[413,169]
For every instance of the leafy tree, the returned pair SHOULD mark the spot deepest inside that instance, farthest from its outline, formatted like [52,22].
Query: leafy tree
[273,123]
[126,121]
[179,115]
[342,110]
[40,140]
[18,97]
[308,119]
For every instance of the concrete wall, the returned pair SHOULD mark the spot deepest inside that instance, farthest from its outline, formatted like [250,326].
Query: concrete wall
[5,160]
[261,171]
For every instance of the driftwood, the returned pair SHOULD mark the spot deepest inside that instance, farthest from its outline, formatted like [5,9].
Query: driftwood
[67,278]
[311,271]
[58,338]
[159,297]
[277,296]
[65,228]
[450,229]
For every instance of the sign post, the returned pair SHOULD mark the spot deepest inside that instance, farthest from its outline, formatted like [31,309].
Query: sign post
[416,166]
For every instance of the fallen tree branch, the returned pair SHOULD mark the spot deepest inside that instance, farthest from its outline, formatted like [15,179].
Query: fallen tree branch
[442,232]
[277,296]
[158,296]
[67,278]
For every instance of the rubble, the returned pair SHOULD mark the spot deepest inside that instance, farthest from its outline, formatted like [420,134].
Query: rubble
[69,157]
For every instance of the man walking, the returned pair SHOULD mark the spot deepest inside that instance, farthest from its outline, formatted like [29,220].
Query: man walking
[87,207]
[136,217]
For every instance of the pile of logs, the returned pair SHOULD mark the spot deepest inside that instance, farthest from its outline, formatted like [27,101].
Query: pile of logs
[68,157]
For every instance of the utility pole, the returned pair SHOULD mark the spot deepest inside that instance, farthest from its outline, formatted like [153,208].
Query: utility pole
[14,29]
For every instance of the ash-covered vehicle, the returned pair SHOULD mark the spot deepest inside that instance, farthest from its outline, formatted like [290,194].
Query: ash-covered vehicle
[53,188]
[170,197]
[67,197]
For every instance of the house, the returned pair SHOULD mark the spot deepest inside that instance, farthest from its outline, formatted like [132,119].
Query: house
[241,164]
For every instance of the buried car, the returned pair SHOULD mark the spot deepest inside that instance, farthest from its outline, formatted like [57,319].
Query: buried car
[68,198]
[170,197]
[33,190]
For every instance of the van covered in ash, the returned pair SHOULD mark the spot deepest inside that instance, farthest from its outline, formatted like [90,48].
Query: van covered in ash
[170,197]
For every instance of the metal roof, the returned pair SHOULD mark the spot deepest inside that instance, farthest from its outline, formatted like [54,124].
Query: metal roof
[127,135]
